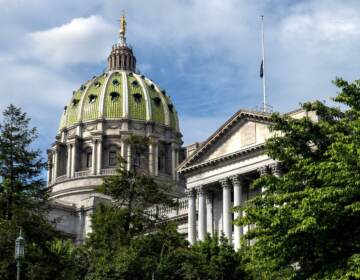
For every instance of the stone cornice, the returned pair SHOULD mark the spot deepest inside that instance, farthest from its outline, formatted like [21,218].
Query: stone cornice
[215,161]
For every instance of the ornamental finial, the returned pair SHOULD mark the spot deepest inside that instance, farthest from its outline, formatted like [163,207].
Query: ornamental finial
[122,25]
[122,39]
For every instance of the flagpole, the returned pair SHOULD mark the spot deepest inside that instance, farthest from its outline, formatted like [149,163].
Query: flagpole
[263,65]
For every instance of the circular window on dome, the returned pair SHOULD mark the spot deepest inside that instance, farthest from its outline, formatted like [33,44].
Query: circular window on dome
[137,97]
[97,84]
[116,82]
[157,101]
[92,98]
[135,83]
[114,96]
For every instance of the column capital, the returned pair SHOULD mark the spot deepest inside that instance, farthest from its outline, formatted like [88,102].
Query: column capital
[190,193]
[263,170]
[276,169]
[236,179]
[200,190]
[224,182]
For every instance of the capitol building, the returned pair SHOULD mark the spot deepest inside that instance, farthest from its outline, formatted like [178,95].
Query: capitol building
[208,177]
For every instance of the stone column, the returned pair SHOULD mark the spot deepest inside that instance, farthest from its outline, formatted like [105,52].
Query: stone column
[93,158]
[238,188]
[49,172]
[73,159]
[55,164]
[209,213]
[191,216]
[156,159]
[262,172]
[202,213]
[173,161]
[68,164]
[227,217]
[276,169]
[128,157]
[99,156]
[151,158]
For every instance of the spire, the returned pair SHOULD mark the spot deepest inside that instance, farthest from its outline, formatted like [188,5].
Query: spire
[121,56]
[122,39]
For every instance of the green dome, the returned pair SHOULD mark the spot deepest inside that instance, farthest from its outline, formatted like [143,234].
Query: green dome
[119,94]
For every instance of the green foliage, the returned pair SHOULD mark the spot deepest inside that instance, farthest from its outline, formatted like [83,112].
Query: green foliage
[308,220]
[23,204]
[214,258]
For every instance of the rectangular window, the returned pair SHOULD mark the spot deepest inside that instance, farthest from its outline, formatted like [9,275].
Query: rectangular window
[88,159]
[112,158]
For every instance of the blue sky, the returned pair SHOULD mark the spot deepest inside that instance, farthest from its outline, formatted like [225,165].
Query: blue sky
[206,54]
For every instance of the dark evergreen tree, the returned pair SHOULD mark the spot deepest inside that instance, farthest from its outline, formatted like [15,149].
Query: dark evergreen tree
[307,222]
[23,198]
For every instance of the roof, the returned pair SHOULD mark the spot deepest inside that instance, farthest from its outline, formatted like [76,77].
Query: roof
[120,95]
[205,146]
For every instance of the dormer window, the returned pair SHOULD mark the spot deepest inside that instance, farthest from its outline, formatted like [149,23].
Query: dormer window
[163,92]
[97,84]
[114,96]
[83,87]
[115,82]
[152,86]
[142,77]
[130,74]
[157,101]
[92,98]
[75,102]
[137,97]
[65,108]
[170,106]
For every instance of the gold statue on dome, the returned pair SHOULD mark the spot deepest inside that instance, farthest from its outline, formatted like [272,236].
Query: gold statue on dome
[122,25]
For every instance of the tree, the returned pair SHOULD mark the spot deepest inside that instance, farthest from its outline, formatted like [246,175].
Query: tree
[307,222]
[213,258]
[23,199]
[115,226]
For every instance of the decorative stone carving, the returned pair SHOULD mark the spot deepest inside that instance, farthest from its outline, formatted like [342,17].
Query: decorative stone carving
[276,169]
[263,170]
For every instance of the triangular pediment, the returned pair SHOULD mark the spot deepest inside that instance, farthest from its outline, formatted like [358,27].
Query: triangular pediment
[242,131]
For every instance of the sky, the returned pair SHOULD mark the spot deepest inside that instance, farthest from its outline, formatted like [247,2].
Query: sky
[206,54]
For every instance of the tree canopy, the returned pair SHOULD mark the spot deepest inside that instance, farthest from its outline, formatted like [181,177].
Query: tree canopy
[307,222]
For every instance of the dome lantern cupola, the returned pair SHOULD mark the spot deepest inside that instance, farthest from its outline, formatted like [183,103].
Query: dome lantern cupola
[121,56]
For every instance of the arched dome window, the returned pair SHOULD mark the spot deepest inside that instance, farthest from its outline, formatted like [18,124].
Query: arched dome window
[92,98]
[65,108]
[163,92]
[114,96]
[97,84]
[157,101]
[83,87]
[170,106]
[75,102]
[135,83]
[115,82]
[137,97]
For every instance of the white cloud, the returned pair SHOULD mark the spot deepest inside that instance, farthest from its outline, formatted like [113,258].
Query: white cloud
[82,40]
